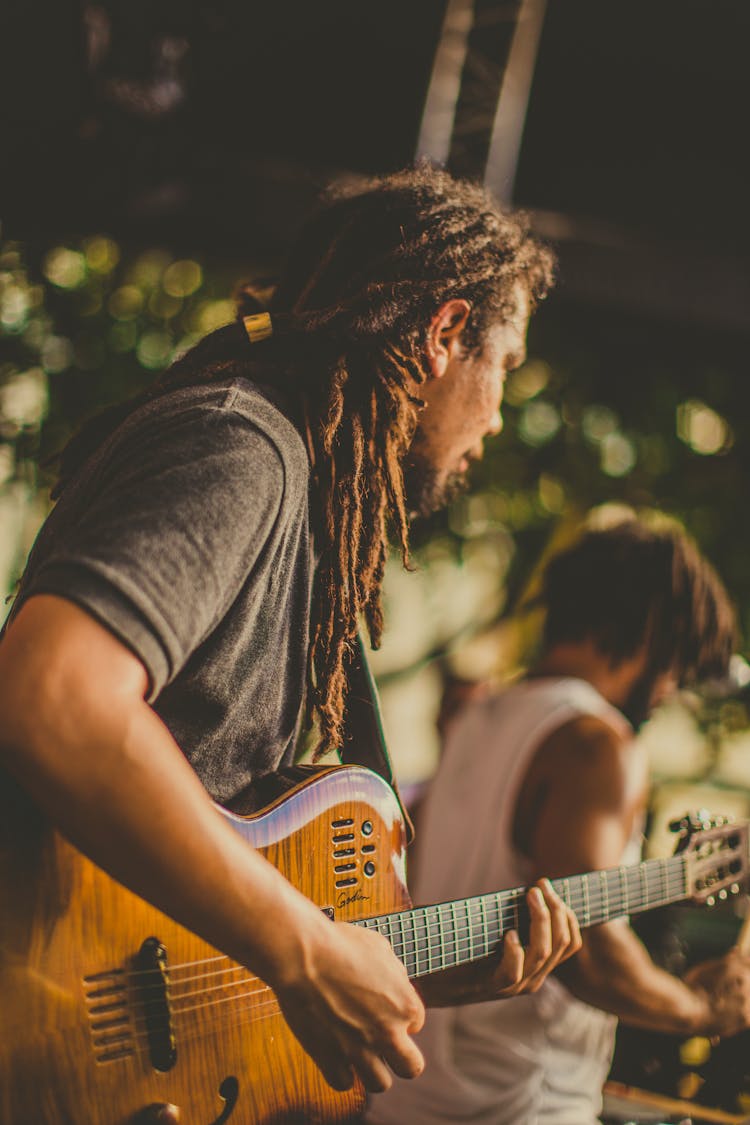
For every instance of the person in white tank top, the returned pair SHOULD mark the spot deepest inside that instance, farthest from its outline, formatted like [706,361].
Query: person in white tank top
[545,778]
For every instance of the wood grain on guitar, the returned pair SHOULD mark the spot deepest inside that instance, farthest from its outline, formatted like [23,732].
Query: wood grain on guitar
[112,1013]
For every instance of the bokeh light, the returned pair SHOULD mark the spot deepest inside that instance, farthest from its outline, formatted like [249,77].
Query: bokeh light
[102,254]
[700,427]
[539,422]
[23,399]
[65,268]
[182,278]
[154,350]
[126,302]
[527,382]
[618,455]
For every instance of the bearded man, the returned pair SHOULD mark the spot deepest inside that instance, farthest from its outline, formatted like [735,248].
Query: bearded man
[198,586]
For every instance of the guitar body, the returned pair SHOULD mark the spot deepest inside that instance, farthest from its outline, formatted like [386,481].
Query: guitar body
[95,1026]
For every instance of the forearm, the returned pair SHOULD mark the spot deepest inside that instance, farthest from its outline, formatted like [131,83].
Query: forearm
[613,971]
[110,777]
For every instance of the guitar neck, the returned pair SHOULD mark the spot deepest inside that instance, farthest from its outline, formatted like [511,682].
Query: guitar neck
[428,939]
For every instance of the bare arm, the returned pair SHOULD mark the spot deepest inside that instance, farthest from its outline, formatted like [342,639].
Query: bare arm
[586,787]
[75,724]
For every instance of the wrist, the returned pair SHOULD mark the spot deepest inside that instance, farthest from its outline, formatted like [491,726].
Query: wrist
[698,1016]
[286,948]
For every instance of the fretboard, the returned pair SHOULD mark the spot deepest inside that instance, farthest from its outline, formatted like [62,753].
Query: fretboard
[431,938]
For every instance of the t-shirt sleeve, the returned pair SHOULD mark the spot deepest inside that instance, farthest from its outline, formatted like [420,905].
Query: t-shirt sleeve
[179,517]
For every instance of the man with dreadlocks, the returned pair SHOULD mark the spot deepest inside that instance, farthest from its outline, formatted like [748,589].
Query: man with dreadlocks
[545,776]
[213,546]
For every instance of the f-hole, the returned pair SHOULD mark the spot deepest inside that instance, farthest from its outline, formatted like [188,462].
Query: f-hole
[229,1092]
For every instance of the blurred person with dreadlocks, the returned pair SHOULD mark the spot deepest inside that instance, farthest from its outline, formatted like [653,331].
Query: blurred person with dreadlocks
[546,776]
[198,586]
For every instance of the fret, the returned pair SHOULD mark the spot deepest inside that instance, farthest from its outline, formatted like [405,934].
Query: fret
[624,890]
[470,924]
[664,882]
[586,904]
[605,895]
[441,932]
[428,930]
[413,943]
[578,897]
[566,893]
[454,928]
[634,888]
[402,936]
[614,904]
[499,911]
[483,921]
[423,945]
[644,883]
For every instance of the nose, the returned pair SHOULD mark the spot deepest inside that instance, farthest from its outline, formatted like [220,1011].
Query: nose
[496,423]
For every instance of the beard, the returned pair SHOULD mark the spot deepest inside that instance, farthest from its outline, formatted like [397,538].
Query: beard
[427,490]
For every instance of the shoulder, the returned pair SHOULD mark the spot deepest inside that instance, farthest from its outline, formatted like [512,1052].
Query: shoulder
[588,756]
[230,427]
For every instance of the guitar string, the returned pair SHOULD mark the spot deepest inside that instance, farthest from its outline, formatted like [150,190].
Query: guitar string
[420,954]
[260,1010]
[472,937]
[596,897]
[518,892]
[422,922]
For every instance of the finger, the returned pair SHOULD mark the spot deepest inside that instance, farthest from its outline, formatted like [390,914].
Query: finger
[416,1023]
[372,1070]
[540,932]
[328,1057]
[559,925]
[338,1073]
[576,940]
[404,1057]
[509,973]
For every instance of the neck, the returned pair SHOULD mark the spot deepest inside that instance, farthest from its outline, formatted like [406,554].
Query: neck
[585,661]
[429,939]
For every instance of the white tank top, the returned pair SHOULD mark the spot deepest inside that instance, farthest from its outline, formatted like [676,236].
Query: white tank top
[539,1059]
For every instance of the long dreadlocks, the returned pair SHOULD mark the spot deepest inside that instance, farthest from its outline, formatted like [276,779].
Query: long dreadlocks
[350,316]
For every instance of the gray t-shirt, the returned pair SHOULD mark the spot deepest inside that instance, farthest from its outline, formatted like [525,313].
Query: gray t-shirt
[187,535]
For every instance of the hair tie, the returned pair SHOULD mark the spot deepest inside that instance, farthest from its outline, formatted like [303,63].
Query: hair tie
[258,327]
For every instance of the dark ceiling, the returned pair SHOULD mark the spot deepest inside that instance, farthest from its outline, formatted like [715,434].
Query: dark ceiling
[210,127]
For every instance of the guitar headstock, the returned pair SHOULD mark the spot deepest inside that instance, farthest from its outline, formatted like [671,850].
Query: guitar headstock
[717,857]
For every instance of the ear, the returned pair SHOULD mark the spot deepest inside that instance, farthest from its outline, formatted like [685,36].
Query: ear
[444,334]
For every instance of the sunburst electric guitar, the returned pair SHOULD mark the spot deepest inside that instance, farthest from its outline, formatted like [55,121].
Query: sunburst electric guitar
[107,1006]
